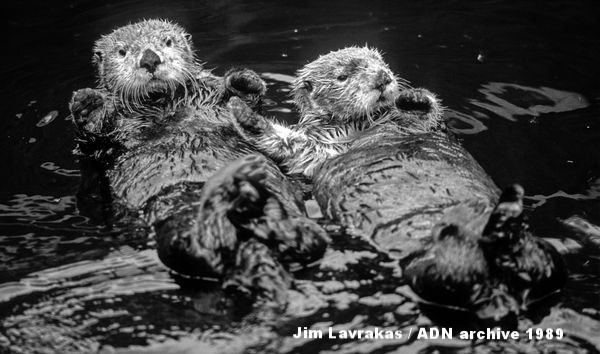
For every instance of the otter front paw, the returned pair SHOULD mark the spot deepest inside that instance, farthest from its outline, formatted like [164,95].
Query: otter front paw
[246,118]
[244,82]
[87,110]
[417,100]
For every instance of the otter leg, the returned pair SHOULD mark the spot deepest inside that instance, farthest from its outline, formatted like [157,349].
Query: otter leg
[247,205]
[246,84]
[257,275]
[265,206]
[90,111]
[530,267]
[421,102]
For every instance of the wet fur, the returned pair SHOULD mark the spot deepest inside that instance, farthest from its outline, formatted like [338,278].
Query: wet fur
[126,90]
[395,188]
[333,112]
[159,153]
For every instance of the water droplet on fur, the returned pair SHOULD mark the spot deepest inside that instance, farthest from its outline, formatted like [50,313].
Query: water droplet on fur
[47,119]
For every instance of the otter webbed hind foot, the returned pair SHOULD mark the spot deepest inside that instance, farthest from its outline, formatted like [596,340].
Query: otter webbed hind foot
[245,228]
[245,84]
[530,267]
[269,209]
[257,276]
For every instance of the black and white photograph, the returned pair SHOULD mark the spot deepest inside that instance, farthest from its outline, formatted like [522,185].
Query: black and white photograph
[237,176]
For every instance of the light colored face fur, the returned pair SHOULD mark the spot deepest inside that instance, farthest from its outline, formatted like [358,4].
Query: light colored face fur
[349,83]
[146,57]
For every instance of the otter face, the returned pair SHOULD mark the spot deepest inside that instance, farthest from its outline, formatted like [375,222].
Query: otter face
[347,83]
[151,56]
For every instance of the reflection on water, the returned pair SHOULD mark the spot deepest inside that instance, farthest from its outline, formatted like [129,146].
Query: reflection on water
[71,281]
[511,100]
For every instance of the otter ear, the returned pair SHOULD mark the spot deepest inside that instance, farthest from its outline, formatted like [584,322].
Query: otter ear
[187,39]
[307,85]
[97,57]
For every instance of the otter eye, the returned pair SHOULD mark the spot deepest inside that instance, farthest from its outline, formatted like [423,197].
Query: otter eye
[342,77]
[122,52]
[169,42]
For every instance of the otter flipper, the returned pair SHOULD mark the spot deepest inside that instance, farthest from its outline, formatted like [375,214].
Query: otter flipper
[265,212]
[246,225]
[257,275]
[530,267]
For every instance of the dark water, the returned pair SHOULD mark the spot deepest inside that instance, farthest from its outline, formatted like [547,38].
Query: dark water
[522,85]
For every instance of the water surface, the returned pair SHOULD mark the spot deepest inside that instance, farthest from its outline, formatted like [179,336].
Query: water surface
[520,80]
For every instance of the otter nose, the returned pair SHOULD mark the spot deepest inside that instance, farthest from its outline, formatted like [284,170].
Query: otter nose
[149,61]
[382,80]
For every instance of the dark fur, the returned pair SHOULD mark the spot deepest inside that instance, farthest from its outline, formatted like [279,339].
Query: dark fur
[159,155]
[394,188]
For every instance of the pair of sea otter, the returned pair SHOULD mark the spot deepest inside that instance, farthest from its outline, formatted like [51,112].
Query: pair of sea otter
[381,162]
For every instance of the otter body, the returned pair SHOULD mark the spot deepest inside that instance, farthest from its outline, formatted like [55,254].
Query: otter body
[186,146]
[395,181]
[393,187]
[425,200]
[160,139]
[339,95]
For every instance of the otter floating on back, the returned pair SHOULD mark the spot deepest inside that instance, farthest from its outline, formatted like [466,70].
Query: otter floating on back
[339,95]
[158,125]
[401,180]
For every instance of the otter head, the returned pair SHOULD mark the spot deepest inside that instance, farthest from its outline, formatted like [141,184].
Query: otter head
[345,84]
[144,59]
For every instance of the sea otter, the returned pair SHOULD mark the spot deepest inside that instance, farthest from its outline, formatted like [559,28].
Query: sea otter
[164,134]
[339,95]
[398,179]
[394,187]
[149,68]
